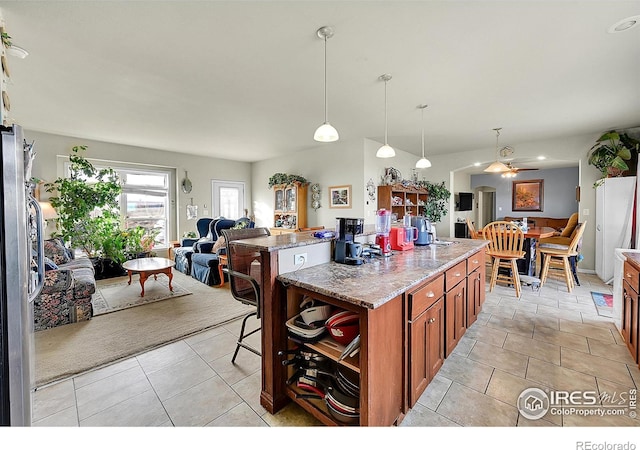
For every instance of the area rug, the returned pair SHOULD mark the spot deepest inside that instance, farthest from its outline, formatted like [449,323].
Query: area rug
[121,295]
[78,347]
[604,303]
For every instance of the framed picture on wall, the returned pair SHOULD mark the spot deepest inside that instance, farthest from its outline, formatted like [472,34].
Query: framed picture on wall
[340,196]
[528,195]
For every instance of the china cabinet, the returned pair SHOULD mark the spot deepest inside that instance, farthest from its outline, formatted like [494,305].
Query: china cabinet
[289,208]
[402,201]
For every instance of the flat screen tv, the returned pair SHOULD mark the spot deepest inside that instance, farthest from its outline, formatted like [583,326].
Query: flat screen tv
[466,201]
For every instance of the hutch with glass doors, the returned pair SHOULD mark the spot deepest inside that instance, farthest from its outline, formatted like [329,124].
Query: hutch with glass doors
[289,209]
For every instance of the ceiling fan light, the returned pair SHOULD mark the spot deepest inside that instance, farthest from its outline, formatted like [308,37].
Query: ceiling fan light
[386,151]
[423,163]
[326,133]
[497,167]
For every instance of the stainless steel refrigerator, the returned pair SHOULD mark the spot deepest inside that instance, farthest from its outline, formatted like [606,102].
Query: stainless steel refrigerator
[22,274]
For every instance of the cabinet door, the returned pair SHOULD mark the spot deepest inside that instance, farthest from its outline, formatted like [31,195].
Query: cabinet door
[630,319]
[474,289]
[426,340]
[418,340]
[279,200]
[435,338]
[290,199]
[455,316]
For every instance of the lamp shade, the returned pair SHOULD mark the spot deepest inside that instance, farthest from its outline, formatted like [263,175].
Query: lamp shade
[48,211]
[386,151]
[326,133]
[423,163]
[497,167]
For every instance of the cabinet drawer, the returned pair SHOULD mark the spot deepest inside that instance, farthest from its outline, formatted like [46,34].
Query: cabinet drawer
[631,276]
[425,296]
[455,275]
[474,261]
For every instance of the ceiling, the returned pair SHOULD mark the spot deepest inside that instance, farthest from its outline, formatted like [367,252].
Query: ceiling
[243,80]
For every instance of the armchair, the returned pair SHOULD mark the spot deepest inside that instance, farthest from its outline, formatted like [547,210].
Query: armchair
[204,260]
[182,254]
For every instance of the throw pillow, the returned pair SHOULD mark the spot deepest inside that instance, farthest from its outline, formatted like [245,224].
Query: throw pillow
[55,250]
[49,265]
[220,244]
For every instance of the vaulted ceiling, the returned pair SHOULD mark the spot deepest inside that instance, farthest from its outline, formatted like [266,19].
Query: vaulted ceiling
[243,80]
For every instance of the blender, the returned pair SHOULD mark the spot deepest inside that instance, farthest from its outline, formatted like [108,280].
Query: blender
[383,228]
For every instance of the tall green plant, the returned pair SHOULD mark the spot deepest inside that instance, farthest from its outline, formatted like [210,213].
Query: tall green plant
[87,203]
[438,197]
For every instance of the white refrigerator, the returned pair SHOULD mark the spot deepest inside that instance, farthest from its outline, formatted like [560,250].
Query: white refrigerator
[614,220]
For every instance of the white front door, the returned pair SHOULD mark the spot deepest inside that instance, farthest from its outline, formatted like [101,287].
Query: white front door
[228,199]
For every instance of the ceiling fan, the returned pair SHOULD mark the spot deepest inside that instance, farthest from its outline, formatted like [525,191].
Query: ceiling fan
[513,171]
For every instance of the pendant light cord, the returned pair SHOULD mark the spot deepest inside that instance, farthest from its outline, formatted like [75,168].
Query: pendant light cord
[326,107]
[385,112]
[422,119]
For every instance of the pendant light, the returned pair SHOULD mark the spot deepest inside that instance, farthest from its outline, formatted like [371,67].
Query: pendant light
[386,151]
[423,163]
[325,132]
[497,167]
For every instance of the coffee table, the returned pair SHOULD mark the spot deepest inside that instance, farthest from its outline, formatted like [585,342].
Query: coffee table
[149,266]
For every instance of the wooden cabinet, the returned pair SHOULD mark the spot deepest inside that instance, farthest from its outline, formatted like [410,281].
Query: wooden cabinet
[426,335]
[402,201]
[289,208]
[455,304]
[476,272]
[630,300]
[275,231]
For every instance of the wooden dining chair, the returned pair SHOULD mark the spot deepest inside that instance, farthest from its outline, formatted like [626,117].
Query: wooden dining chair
[506,243]
[562,257]
[473,233]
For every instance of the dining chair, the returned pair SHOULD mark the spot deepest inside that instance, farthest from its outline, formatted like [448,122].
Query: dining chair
[243,269]
[473,233]
[506,243]
[562,257]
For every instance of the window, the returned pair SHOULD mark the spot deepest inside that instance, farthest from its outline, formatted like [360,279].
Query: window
[228,199]
[145,198]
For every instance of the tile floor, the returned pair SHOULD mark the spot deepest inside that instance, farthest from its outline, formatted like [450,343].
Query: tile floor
[547,339]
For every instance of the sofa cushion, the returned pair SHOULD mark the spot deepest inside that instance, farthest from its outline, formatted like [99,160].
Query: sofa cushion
[55,250]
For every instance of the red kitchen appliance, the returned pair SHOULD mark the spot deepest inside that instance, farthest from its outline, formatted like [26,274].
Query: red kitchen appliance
[383,227]
[402,238]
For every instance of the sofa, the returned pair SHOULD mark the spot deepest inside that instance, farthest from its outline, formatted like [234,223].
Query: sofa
[69,282]
[204,259]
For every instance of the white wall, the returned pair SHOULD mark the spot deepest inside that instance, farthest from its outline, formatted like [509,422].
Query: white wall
[201,170]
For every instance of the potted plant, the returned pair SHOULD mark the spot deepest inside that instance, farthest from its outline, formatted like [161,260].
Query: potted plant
[283,178]
[87,205]
[438,197]
[610,154]
[139,241]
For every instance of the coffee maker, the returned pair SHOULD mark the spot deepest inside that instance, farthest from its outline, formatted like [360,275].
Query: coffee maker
[347,250]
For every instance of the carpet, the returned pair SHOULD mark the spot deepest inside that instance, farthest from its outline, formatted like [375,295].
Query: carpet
[121,295]
[78,347]
[604,303]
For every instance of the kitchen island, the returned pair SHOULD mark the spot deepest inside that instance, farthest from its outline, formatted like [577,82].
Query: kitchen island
[412,307]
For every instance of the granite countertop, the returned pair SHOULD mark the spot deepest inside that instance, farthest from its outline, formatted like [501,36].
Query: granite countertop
[633,258]
[379,280]
[281,241]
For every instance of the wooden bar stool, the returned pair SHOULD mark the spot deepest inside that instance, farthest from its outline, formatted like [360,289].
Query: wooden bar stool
[505,247]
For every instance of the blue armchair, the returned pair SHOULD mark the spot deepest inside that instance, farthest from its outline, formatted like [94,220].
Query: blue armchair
[204,260]
[182,254]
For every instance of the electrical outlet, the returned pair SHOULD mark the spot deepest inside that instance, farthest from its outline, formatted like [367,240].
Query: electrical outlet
[300,258]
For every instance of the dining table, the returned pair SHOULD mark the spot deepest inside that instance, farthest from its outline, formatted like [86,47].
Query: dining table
[531,237]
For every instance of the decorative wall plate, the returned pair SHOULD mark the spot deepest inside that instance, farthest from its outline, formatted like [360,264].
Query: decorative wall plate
[315,187]
[315,204]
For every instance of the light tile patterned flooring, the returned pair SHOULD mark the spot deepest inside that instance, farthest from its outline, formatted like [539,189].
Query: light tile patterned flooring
[547,339]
